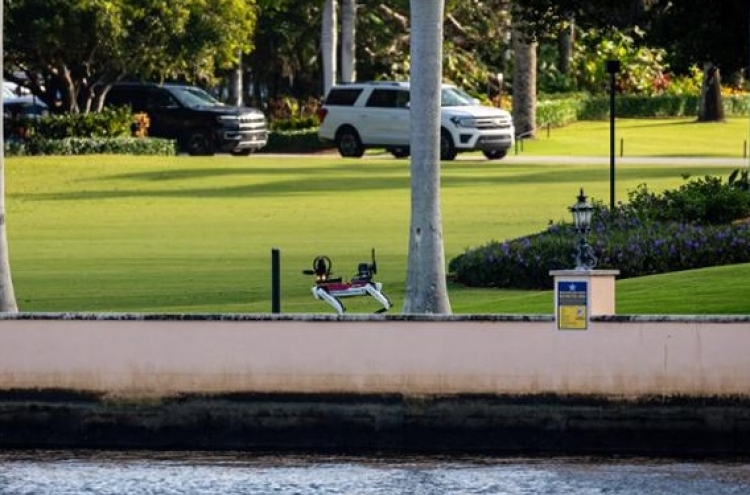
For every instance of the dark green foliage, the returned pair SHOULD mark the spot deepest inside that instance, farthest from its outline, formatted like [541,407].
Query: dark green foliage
[299,141]
[628,106]
[706,200]
[563,111]
[634,106]
[110,122]
[691,227]
[108,131]
[91,146]
[558,112]
[295,123]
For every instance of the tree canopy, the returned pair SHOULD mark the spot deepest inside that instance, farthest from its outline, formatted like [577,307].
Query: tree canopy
[692,31]
[69,46]
[62,49]
[695,31]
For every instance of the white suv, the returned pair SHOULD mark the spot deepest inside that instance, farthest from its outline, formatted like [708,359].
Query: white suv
[357,116]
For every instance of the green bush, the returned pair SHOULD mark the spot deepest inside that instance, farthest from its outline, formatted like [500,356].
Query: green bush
[563,111]
[90,146]
[110,122]
[634,106]
[687,228]
[295,123]
[557,112]
[736,105]
[708,200]
[302,141]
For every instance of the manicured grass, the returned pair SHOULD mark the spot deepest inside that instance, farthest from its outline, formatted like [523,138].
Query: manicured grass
[116,233]
[645,137]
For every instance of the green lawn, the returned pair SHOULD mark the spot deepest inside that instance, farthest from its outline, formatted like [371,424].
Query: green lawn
[116,233]
[645,137]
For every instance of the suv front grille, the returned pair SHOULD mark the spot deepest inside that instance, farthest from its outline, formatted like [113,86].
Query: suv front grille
[252,121]
[493,122]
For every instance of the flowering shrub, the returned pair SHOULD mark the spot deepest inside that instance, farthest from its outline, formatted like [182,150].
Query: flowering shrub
[286,114]
[691,227]
[141,123]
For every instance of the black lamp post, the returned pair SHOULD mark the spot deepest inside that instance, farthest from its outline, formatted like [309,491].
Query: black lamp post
[612,67]
[582,213]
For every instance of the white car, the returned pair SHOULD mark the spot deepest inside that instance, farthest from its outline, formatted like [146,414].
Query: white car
[358,116]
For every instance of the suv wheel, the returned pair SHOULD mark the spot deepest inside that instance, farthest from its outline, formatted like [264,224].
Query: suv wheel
[447,148]
[495,154]
[242,152]
[349,143]
[199,144]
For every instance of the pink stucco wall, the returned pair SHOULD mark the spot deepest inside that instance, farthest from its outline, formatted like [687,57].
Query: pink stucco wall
[134,357]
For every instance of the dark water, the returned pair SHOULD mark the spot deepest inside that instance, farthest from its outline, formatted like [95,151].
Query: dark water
[104,473]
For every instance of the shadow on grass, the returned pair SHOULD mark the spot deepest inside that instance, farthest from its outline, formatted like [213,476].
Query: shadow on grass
[660,123]
[345,178]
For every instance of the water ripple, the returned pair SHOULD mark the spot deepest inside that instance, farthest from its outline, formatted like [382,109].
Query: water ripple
[148,473]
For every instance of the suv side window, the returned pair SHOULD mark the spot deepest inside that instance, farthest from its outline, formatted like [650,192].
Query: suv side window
[161,99]
[388,98]
[127,97]
[343,96]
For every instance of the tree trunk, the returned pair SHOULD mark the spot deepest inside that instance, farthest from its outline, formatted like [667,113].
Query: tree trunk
[235,84]
[524,85]
[68,91]
[348,40]
[711,107]
[565,40]
[426,286]
[7,294]
[328,42]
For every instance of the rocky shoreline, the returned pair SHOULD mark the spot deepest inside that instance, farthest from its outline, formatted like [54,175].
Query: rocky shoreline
[384,423]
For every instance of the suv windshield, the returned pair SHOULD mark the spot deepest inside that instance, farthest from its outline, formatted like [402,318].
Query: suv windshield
[194,97]
[454,97]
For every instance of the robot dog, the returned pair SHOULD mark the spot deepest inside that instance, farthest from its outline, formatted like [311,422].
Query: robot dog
[331,290]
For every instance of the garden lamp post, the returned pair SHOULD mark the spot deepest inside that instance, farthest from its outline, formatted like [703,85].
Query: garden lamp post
[612,67]
[582,212]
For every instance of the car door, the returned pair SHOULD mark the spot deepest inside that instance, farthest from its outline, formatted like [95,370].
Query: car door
[387,120]
[168,116]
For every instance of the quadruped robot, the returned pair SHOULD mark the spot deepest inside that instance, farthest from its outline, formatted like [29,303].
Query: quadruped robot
[331,290]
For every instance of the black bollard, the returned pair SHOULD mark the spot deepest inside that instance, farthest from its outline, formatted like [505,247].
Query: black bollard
[275,281]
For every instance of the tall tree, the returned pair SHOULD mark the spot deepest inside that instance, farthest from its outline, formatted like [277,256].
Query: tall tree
[68,47]
[348,40]
[328,44]
[565,42]
[693,32]
[426,286]
[7,294]
[524,83]
[285,59]
[236,84]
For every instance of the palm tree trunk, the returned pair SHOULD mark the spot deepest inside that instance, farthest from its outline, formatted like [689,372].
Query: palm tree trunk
[328,42]
[7,295]
[426,286]
[524,85]
[711,106]
[348,40]
[565,40]
[235,83]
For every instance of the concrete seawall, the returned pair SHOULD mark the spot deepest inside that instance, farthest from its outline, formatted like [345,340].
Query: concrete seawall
[503,384]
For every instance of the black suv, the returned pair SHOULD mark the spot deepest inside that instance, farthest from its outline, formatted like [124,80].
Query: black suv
[200,123]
